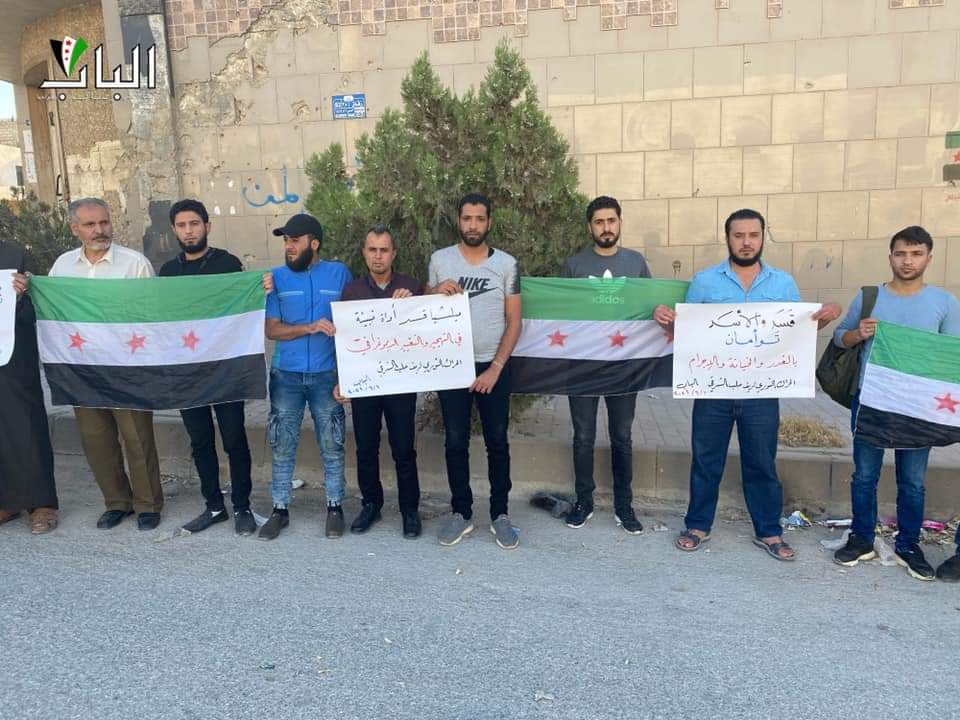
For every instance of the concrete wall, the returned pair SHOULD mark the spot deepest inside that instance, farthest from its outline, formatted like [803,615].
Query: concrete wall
[9,156]
[829,116]
[9,159]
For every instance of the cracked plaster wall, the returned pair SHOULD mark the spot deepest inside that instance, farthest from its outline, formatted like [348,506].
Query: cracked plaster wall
[833,117]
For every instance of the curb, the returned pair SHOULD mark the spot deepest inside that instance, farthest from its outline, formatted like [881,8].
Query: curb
[812,480]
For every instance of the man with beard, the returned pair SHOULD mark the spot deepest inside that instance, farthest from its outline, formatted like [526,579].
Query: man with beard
[493,282]
[905,300]
[605,259]
[26,457]
[742,278]
[101,258]
[304,369]
[191,224]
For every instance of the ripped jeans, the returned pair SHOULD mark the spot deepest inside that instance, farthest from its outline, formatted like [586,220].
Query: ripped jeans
[289,392]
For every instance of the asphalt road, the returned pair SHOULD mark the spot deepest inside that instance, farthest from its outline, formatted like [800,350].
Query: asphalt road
[588,623]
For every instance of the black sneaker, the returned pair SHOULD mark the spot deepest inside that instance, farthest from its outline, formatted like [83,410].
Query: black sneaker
[582,511]
[243,522]
[628,521]
[949,571]
[369,514]
[411,524]
[205,519]
[915,563]
[854,551]
[278,520]
[334,527]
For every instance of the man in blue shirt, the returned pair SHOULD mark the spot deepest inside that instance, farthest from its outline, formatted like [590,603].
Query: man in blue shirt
[741,278]
[905,300]
[304,369]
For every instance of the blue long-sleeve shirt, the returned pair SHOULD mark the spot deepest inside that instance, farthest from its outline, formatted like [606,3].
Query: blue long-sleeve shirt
[932,309]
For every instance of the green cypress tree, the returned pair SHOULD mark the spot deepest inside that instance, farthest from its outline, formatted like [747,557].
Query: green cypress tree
[419,161]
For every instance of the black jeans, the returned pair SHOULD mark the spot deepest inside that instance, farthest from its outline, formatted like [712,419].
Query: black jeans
[400,412]
[620,412]
[199,424]
[494,409]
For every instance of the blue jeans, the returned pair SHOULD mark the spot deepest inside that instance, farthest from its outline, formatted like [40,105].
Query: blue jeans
[289,392]
[911,470]
[758,422]
[620,412]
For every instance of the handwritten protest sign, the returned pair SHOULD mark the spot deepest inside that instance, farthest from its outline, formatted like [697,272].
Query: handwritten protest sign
[751,350]
[8,311]
[385,347]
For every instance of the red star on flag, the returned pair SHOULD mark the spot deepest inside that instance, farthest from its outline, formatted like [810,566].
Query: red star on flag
[190,340]
[947,403]
[77,342]
[617,340]
[136,342]
[557,338]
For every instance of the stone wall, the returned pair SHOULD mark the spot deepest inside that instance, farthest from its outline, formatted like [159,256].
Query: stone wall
[830,116]
[84,123]
[91,147]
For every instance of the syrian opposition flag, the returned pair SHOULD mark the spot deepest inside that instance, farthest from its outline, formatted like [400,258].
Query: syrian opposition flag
[911,389]
[152,343]
[593,336]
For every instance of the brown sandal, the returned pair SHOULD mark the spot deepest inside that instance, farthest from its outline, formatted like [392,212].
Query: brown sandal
[43,520]
[8,515]
[696,540]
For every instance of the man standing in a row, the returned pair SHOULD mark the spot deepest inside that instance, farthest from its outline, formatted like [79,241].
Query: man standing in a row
[605,259]
[191,224]
[26,456]
[100,258]
[905,300]
[304,370]
[742,278]
[379,252]
[493,282]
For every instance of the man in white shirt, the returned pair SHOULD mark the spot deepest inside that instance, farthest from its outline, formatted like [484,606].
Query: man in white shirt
[99,257]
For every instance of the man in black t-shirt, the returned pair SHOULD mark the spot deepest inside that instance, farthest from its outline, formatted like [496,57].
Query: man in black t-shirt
[191,224]
[605,258]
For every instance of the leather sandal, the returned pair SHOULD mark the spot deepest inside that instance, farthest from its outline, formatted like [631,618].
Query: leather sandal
[773,549]
[695,541]
[43,520]
[8,515]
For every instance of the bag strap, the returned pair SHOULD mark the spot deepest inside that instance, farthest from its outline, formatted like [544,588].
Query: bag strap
[870,293]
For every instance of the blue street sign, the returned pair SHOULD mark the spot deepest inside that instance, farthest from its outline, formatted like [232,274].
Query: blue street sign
[349,107]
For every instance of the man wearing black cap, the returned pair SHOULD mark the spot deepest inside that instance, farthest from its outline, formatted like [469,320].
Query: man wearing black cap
[304,369]
[191,224]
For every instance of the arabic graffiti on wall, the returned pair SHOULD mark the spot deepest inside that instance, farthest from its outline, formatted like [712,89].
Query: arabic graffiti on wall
[256,197]
[753,350]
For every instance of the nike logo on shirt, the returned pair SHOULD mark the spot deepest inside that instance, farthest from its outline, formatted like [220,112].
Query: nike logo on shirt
[475,286]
